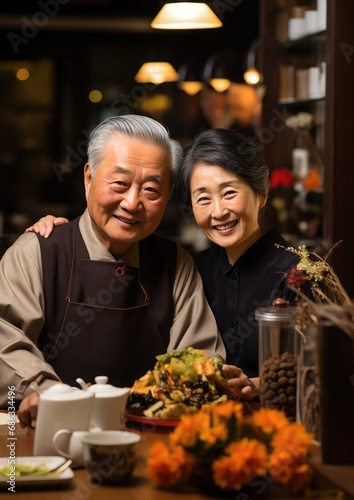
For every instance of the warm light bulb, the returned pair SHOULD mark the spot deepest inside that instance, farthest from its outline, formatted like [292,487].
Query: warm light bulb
[191,88]
[95,96]
[252,76]
[186,16]
[22,74]
[220,84]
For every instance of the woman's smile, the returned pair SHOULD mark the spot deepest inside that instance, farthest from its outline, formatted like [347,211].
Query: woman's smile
[226,228]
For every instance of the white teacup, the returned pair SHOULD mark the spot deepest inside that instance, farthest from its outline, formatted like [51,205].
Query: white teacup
[109,456]
[68,444]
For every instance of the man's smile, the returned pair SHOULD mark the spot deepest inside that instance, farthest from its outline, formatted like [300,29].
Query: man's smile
[126,221]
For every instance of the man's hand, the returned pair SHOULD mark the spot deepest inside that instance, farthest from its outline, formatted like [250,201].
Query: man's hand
[46,224]
[27,411]
[244,387]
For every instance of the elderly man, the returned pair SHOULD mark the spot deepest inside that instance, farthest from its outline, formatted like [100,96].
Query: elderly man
[103,295]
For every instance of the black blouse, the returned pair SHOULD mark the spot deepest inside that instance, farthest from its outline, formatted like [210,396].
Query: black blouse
[235,292]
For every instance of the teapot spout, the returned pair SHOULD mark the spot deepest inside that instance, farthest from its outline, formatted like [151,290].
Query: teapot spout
[82,384]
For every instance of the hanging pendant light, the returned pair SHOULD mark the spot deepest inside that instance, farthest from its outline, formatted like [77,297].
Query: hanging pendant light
[191,88]
[252,76]
[190,76]
[220,84]
[221,69]
[186,16]
[156,72]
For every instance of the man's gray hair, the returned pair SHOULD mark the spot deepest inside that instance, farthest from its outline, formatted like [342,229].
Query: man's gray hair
[140,127]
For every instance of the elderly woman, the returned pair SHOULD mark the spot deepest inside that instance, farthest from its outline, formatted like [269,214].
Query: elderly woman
[226,181]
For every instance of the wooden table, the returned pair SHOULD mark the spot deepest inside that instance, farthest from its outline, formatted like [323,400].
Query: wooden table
[138,488]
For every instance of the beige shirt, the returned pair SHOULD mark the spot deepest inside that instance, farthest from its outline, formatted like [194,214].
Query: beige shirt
[22,310]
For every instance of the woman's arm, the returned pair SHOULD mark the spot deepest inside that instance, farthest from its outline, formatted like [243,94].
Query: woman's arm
[46,224]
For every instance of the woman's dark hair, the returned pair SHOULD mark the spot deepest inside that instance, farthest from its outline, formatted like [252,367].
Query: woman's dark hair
[227,149]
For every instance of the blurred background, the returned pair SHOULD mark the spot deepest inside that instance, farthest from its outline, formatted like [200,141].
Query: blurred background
[67,65]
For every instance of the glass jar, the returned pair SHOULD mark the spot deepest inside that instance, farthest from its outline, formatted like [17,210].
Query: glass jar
[278,357]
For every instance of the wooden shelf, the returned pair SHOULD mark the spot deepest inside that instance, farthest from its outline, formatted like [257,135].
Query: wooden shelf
[292,101]
[304,41]
[334,137]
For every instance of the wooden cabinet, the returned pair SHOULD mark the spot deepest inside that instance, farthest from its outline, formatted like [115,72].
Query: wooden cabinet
[333,133]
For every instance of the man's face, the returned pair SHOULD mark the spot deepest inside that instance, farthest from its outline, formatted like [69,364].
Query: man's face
[129,192]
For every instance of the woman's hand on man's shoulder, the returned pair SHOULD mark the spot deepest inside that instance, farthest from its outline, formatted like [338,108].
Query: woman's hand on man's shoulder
[46,224]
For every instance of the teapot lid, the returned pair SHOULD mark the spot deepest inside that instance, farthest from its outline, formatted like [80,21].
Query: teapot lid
[101,387]
[60,392]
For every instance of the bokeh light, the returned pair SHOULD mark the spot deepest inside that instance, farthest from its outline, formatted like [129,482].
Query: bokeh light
[95,96]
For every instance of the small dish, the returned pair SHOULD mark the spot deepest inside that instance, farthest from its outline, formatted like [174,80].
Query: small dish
[50,461]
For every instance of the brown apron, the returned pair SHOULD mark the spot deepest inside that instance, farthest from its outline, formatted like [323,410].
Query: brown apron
[108,326]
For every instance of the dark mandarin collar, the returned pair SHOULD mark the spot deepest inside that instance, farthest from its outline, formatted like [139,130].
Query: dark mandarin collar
[251,255]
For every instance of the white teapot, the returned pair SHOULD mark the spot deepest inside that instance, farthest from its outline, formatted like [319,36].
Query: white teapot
[60,406]
[107,412]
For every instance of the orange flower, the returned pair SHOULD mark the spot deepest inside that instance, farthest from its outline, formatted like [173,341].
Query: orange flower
[242,459]
[312,181]
[215,433]
[187,431]
[209,425]
[167,468]
[290,470]
[270,420]
[215,430]
[286,463]
[292,439]
[225,410]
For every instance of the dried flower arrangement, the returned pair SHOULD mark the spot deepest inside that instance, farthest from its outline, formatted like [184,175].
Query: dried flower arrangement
[331,301]
[222,444]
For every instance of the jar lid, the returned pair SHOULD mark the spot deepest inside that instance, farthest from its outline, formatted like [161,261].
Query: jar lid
[274,313]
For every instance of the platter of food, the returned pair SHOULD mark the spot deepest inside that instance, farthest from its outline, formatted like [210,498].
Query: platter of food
[180,383]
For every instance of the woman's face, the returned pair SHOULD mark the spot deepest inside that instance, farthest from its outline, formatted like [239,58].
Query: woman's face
[225,208]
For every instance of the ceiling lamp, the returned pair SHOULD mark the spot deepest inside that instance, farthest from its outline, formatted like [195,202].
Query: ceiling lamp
[221,69]
[191,88]
[186,16]
[156,72]
[220,84]
[190,79]
[252,75]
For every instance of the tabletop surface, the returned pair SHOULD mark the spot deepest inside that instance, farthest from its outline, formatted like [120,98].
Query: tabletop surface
[139,487]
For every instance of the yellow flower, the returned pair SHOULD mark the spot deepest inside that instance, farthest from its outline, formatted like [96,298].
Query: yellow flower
[270,420]
[242,459]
